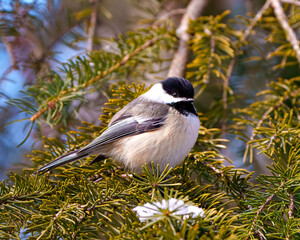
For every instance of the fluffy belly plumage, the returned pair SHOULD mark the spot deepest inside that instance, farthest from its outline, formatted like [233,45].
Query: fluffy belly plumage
[168,145]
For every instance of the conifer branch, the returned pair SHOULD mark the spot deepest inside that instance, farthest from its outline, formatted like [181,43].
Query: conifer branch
[98,201]
[265,115]
[284,22]
[122,62]
[227,180]
[53,220]
[179,61]
[246,34]
[258,213]
[87,211]
[255,20]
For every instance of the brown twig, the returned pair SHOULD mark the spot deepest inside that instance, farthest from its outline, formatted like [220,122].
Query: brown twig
[123,61]
[92,27]
[258,213]
[246,34]
[261,237]
[8,71]
[256,19]
[292,205]
[167,15]
[291,210]
[10,50]
[224,95]
[212,52]
[173,12]
[295,2]
[179,61]
[284,22]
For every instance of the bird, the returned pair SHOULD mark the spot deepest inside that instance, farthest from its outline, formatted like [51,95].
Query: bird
[160,126]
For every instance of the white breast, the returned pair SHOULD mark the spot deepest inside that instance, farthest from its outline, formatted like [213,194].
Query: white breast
[168,145]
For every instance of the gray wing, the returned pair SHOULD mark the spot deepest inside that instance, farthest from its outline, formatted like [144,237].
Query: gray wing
[135,118]
[126,127]
[140,107]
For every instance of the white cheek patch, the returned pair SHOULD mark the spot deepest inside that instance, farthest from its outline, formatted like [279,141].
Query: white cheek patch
[158,94]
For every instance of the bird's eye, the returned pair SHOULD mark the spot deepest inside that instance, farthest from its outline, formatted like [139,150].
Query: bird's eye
[175,94]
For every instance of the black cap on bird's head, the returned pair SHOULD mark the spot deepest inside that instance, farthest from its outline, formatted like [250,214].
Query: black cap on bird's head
[178,87]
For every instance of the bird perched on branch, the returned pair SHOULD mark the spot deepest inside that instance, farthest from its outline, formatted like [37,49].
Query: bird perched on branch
[161,126]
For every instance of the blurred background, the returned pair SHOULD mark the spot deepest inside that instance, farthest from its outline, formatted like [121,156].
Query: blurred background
[37,36]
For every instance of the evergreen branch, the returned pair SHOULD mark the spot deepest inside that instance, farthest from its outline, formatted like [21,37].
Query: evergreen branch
[179,61]
[217,171]
[87,211]
[258,213]
[284,22]
[50,105]
[264,117]
[291,206]
[81,201]
[256,19]
[246,34]
[229,180]
[122,62]
[213,40]
[53,220]
[248,31]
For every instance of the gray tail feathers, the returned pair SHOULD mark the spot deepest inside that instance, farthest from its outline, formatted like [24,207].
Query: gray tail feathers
[62,160]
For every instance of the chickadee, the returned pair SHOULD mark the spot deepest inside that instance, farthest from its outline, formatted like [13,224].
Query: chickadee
[161,126]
